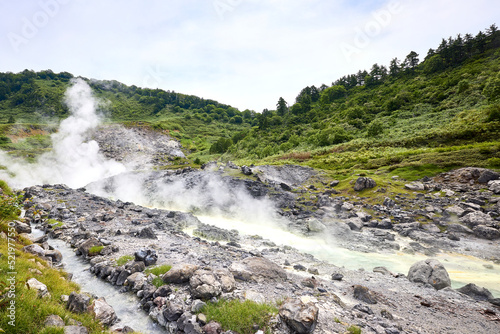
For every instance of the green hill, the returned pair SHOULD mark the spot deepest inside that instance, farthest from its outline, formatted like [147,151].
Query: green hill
[432,115]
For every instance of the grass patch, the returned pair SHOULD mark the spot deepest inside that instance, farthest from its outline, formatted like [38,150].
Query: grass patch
[240,316]
[96,250]
[157,281]
[158,270]
[354,330]
[124,259]
[55,223]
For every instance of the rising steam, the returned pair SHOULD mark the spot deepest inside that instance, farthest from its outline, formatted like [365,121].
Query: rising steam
[75,159]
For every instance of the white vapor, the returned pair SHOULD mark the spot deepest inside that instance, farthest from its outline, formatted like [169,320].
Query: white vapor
[74,160]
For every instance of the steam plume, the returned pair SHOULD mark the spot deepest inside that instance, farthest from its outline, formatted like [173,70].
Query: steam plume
[75,160]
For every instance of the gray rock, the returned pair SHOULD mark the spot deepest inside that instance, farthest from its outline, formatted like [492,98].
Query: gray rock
[206,284]
[212,328]
[364,294]
[103,312]
[363,308]
[34,249]
[147,233]
[494,186]
[42,291]
[388,202]
[364,183]
[355,224]
[148,256]
[22,227]
[458,228]
[122,277]
[173,311]
[455,210]
[476,292]
[75,330]
[55,255]
[337,277]
[415,186]
[300,318]
[475,218]
[487,176]
[53,320]
[431,272]
[246,170]
[180,273]
[87,245]
[136,281]
[78,303]
[485,232]
[257,269]
[382,270]
[314,225]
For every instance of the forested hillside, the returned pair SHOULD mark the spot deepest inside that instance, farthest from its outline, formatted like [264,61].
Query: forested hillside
[436,113]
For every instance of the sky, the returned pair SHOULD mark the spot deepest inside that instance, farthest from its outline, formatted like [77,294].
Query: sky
[245,53]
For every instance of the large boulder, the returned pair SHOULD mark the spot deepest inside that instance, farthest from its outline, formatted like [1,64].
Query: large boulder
[299,317]
[364,183]
[431,272]
[486,232]
[103,312]
[78,303]
[180,273]
[136,281]
[476,292]
[475,218]
[257,269]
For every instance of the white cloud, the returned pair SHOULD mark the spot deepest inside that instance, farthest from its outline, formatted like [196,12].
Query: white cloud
[247,56]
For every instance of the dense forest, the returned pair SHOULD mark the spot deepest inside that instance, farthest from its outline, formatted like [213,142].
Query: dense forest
[405,114]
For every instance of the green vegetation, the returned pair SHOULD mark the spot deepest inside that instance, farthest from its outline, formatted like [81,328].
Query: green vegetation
[158,270]
[354,330]
[240,316]
[95,250]
[124,259]
[157,281]
[442,112]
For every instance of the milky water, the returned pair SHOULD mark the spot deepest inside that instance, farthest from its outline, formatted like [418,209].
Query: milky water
[126,305]
[462,269]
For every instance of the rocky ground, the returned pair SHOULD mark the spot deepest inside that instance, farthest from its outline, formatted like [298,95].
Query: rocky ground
[137,147]
[456,211]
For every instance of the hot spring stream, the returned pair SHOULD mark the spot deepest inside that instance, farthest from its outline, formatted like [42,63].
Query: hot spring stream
[462,269]
[124,304]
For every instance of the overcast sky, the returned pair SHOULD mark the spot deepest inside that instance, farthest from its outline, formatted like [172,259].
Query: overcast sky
[246,53]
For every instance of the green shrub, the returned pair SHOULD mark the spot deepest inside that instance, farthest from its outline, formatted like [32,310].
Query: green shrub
[240,316]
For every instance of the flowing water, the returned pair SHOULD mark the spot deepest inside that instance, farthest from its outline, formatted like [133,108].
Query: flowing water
[124,304]
[462,269]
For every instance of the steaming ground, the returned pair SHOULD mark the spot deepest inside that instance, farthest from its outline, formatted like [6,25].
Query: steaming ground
[75,159]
